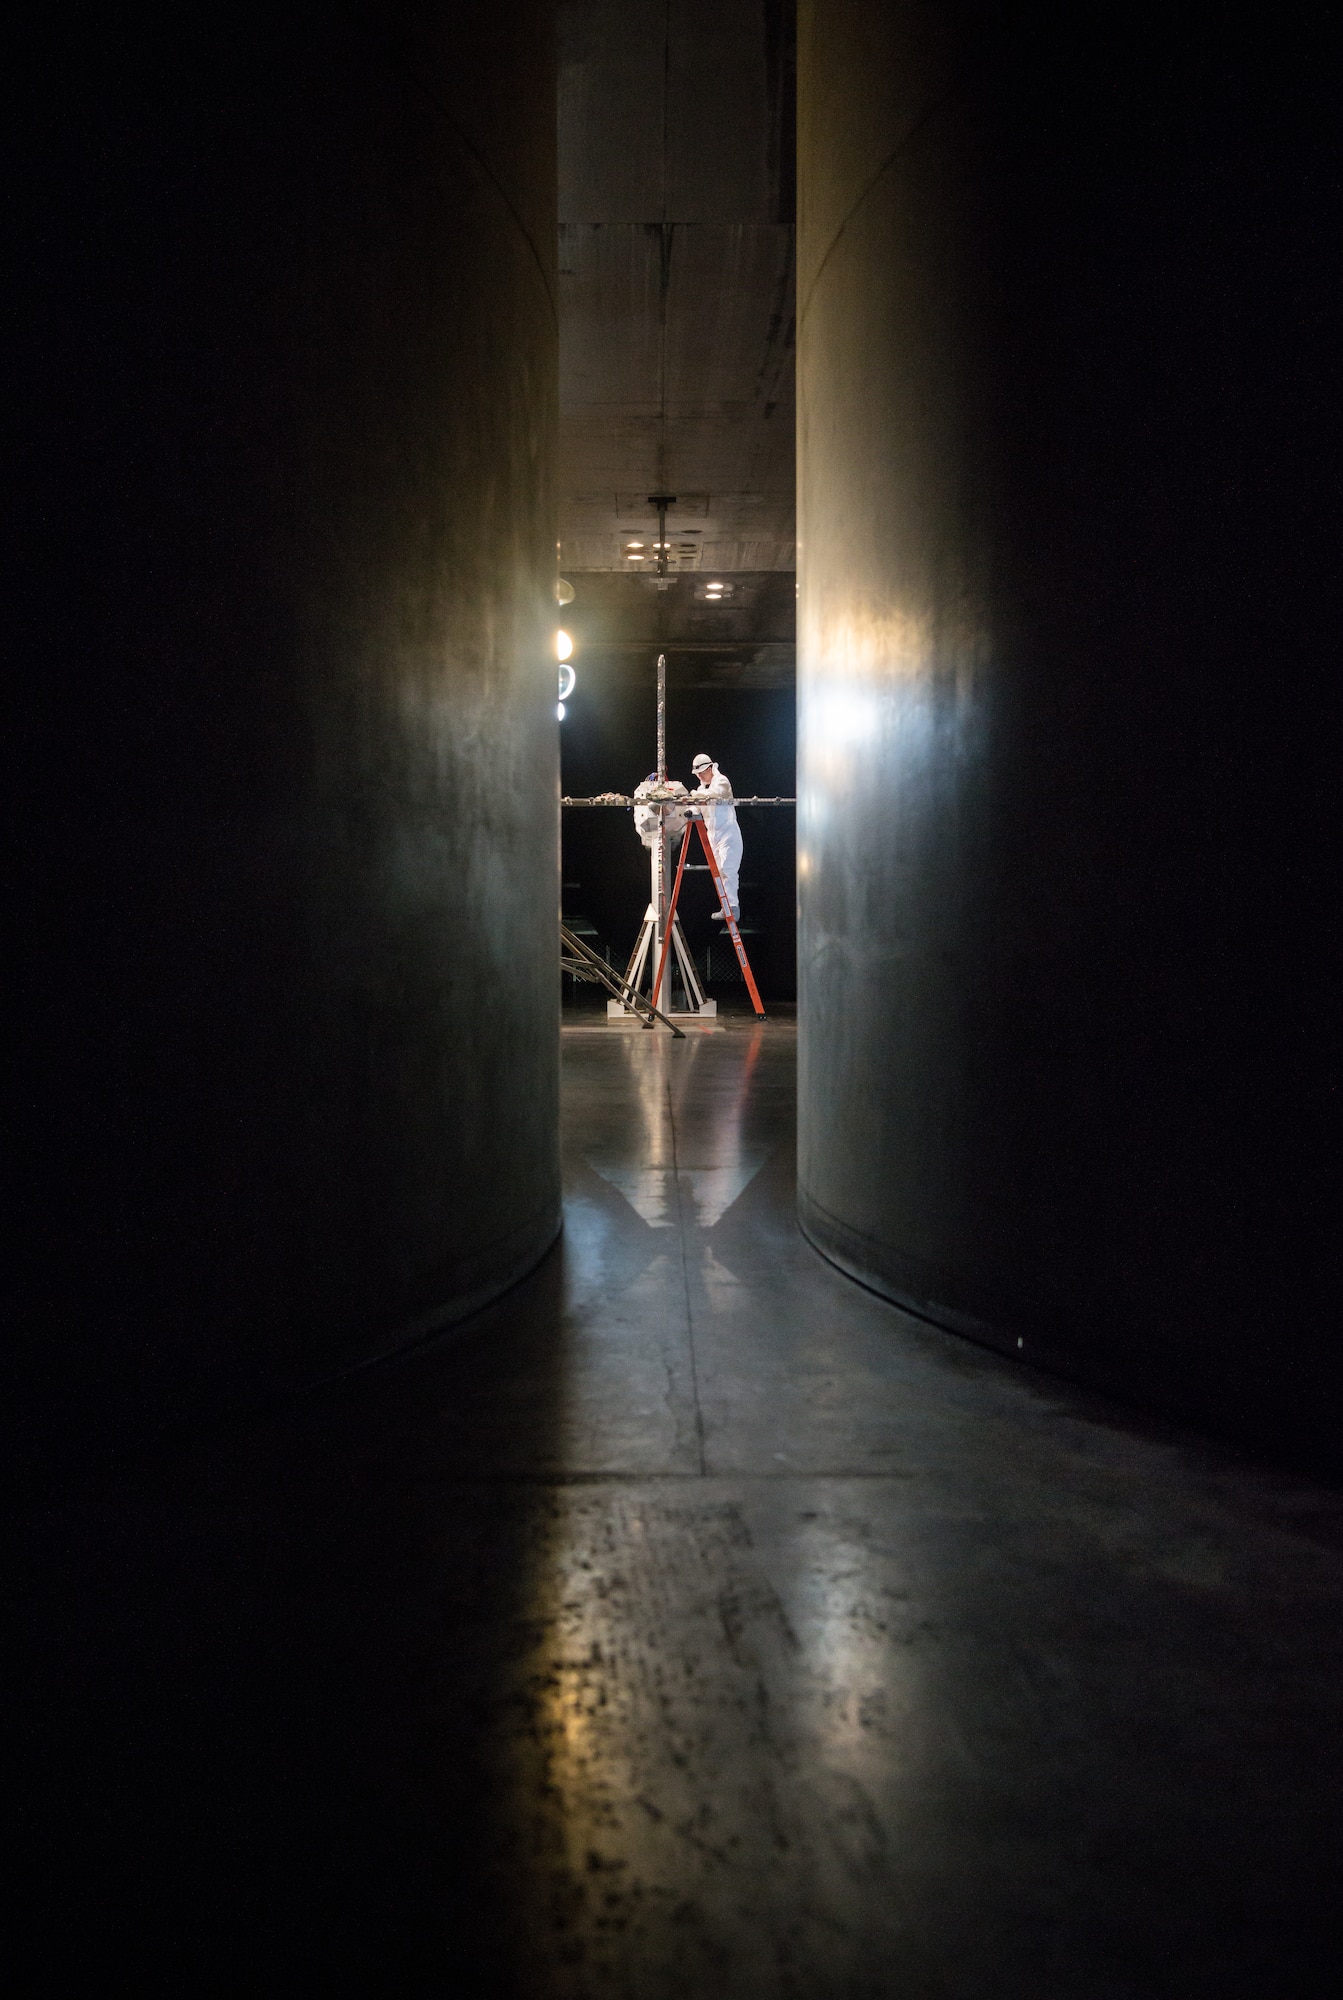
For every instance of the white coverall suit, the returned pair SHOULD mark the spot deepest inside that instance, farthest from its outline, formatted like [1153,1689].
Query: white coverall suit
[720,823]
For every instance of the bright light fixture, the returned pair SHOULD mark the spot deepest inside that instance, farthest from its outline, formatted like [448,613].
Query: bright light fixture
[564,645]
[560,711]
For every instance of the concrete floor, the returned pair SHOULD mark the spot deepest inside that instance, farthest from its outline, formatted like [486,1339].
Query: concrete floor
[691,1624]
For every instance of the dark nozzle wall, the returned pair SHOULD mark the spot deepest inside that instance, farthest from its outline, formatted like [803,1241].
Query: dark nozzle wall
[284,390]
[1067,517]
[282,383]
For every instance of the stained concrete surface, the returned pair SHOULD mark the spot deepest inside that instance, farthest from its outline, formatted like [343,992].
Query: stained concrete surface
[692,1623]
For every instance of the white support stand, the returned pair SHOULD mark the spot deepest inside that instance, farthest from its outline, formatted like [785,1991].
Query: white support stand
[646,956]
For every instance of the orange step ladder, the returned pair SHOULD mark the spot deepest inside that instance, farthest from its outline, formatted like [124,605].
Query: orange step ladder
[730,922]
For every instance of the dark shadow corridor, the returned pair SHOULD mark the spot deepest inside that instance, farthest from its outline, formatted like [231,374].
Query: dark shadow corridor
[674,1618]
[693,1623]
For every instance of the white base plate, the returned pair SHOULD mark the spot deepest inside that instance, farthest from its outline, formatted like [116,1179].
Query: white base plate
[616,1010]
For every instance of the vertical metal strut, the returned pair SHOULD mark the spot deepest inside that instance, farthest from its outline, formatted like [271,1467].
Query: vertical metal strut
[662,718]
[662,501]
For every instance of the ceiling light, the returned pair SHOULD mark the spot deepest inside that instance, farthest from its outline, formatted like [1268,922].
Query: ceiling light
[564,645]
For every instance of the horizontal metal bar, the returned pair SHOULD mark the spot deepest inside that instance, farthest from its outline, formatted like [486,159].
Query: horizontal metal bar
[676,802]
[670,646]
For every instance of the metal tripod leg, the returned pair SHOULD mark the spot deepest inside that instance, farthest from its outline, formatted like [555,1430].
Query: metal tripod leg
[694,992]
[634,971]
[585,964]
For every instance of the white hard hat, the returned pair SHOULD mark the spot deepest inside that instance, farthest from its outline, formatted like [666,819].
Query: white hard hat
[700,763]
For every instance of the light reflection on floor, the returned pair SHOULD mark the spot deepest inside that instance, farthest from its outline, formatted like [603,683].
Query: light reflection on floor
[692,1625]
[834,1654]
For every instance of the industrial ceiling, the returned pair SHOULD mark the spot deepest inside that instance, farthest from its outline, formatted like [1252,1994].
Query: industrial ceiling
[676,303]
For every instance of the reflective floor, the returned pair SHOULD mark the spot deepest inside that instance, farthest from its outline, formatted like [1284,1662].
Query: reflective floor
[691,1624]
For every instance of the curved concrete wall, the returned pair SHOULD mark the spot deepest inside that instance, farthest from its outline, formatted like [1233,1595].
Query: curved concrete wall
[1068,503]
[286,786]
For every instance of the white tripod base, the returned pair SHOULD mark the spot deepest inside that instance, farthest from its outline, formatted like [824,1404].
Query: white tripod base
[642,969]
[616,1010]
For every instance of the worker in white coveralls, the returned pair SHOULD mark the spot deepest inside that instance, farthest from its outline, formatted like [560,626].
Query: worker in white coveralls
[714,800]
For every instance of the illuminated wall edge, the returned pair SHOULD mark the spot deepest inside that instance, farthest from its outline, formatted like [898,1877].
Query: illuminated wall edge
[1066,482]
